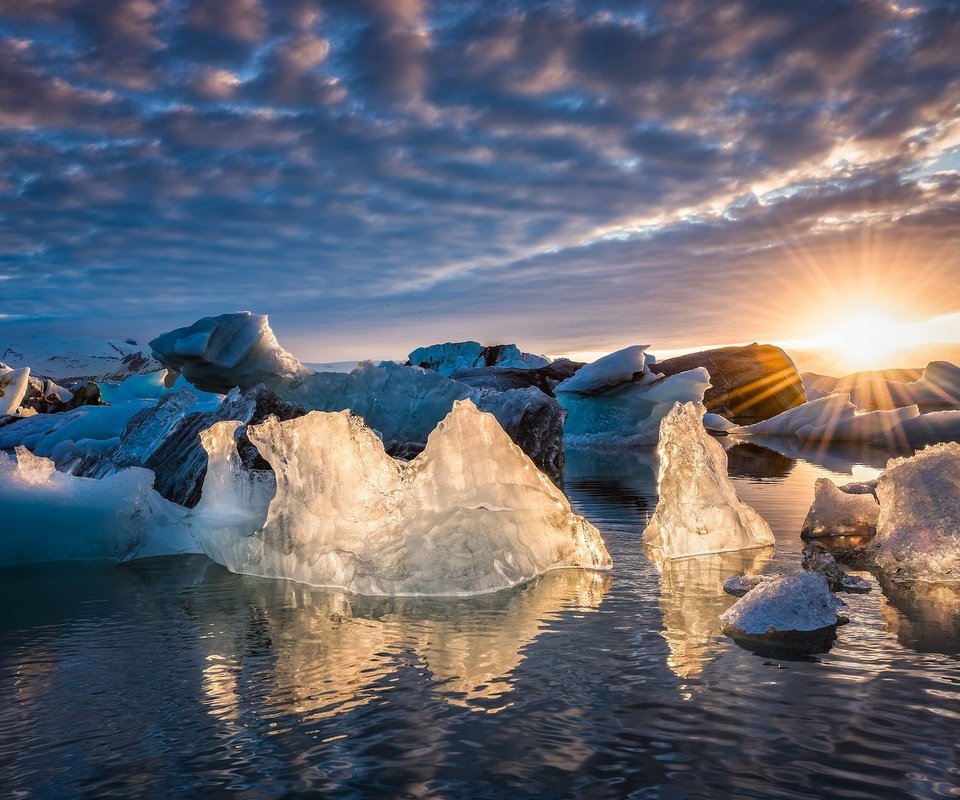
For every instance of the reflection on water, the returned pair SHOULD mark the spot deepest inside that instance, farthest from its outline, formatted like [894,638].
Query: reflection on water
[924,616]
[334,650]
[838,457]
[174,678]
[692,600]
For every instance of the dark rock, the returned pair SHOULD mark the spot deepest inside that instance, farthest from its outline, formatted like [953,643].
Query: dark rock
[818,559]
[180,462]
[749,383]
[137,364]
[504,378]
[46,397]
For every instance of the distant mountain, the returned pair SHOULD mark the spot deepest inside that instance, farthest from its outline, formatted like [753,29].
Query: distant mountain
[829,362]
[63,358]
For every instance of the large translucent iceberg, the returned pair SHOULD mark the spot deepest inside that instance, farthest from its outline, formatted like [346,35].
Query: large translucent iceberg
[698,510]
[470,514]
[618,399]
[918,530]
[50,516]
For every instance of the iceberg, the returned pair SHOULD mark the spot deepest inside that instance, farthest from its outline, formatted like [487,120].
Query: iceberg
[916,433]
[51,516]
[918,529]
[218,353]
[939,385]
[830,419]
[452,357]
[619,401]
[698,510]
[836,511]
[471,514]
[815,412]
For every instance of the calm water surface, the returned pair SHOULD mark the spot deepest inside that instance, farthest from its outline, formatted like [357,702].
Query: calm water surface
[174,678]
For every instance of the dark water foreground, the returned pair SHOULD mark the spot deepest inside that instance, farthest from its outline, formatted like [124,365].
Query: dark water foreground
[174,678]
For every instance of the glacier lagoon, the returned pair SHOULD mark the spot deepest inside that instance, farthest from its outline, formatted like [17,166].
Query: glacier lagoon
[174,677]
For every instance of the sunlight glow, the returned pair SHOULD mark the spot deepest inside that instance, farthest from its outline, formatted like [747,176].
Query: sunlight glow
[865,340]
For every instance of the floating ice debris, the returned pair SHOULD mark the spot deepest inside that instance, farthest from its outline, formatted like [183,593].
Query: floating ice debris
[918,529]
[815,412]
[471,514]
[858,427]
[817,558]
[13,386]
[698,510]
[836,511]
[918,432]
[796,612]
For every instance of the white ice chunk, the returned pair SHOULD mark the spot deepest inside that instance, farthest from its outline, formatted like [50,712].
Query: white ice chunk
[698,510]
[797,603]
[835,512]
[13,386]
[471,514]
[816,412]
[918,530]
[612,370]
[859,427]
[718,424]
[50,516]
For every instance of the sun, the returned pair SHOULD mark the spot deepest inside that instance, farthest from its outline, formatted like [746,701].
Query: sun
[865,340]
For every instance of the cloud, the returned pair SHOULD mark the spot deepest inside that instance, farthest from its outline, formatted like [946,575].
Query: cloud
[570,175]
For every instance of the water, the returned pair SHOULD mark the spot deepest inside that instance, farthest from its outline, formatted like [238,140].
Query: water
[174,678]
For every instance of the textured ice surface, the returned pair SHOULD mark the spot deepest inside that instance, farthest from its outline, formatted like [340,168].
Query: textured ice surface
[471,514]
[218,353]
[619,401]
[835,512]
[714,422]
[50,516]
[452,357]
[13,386]
[939,385]
[739,585]
[797,603]
[698,510]
[918,530]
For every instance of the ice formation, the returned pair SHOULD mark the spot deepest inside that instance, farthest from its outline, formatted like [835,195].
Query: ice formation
[816,558]
[836,512]
[918,432]
[815,412]
[797,603]
[13,386]
[471,514]
[918,530]
[830,419]
[452,357]
[698,510]
[858,427]
[619,400]
[218,353]
[50,516]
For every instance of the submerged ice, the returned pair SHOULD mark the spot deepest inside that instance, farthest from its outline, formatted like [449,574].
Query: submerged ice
[470,514]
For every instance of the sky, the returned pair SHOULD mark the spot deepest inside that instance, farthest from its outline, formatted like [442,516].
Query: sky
[571,176]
